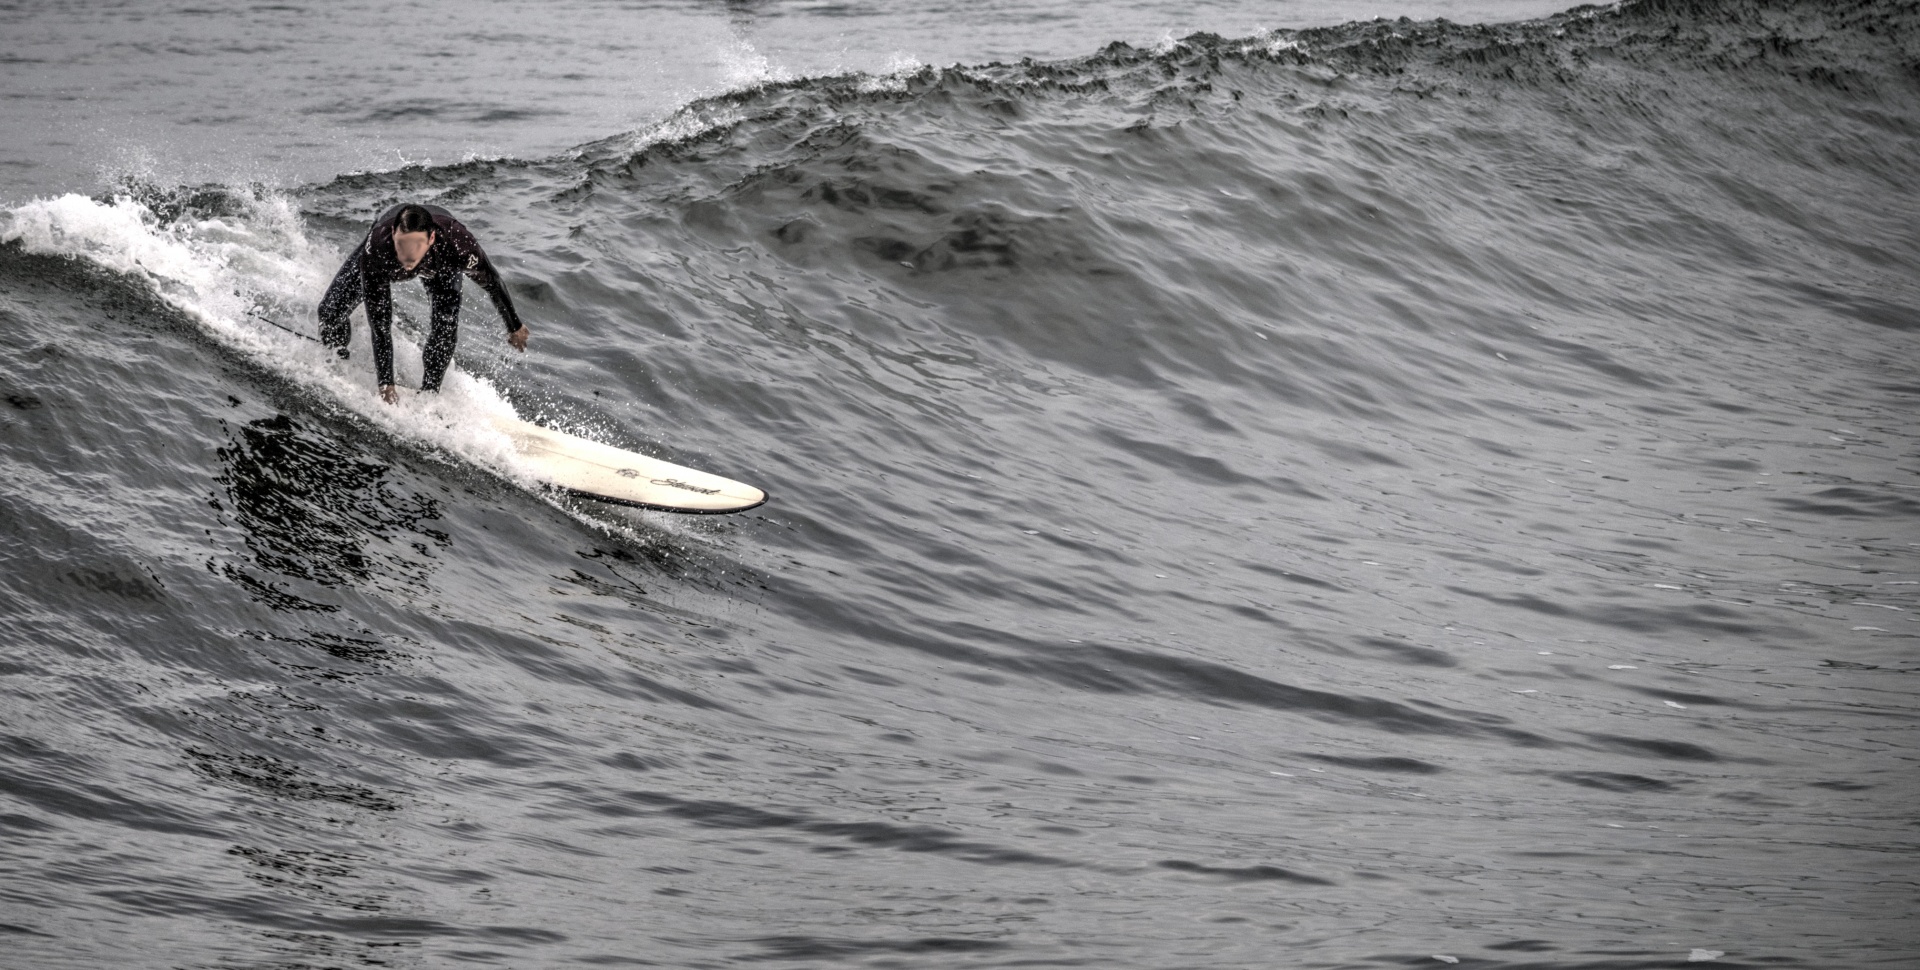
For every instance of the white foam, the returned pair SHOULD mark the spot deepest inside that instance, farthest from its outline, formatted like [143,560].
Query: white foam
[745,67]
[893,79]
[680,126]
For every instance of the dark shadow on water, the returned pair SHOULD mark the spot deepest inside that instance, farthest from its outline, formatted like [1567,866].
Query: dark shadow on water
[819,948]
[313,510]
[1653,747]
[1245,873]
[1614,781]
[278,778]
[360,650]
[834,836]
[1405,766]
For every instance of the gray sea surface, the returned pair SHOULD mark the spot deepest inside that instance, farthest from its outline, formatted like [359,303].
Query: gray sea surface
[1253,485]
[189,91]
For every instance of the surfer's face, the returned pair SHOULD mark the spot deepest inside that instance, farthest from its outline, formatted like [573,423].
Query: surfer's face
[411,247]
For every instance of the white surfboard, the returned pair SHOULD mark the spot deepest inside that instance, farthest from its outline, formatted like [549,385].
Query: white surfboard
[593,470]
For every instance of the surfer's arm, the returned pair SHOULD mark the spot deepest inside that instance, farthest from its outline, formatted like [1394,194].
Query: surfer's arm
[479,269]
[378,295]
[490,281]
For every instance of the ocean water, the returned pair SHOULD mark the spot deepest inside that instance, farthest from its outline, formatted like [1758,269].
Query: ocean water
[1253,486]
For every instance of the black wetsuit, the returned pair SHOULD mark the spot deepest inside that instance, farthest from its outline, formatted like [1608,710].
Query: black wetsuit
[374,267]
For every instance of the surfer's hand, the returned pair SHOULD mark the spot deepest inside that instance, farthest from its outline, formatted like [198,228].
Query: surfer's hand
[518,338]
[389,395]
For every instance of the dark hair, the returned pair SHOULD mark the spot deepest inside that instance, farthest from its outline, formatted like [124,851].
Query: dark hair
[414,218]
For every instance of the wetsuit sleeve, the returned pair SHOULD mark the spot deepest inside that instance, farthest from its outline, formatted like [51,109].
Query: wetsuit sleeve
[479,269]
[378,294]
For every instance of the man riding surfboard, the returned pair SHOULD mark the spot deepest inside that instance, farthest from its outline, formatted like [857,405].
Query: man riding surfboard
[409,241]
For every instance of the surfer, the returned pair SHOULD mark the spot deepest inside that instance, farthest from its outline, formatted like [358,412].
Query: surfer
[409,241]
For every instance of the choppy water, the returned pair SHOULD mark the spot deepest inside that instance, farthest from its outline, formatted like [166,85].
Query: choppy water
[1377,495]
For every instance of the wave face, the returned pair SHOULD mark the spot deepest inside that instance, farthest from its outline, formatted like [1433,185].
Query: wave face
[1336,497]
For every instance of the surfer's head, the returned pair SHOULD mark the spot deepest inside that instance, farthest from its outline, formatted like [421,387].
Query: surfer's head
[412,235]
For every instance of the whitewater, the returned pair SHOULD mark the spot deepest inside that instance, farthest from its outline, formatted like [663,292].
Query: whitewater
[1255,485]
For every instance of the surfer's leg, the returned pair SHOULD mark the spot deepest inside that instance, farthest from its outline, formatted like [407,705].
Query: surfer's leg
[438,352]
[336,308]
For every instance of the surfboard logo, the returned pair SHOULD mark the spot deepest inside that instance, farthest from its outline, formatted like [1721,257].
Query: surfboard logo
[676,483]
[627,473]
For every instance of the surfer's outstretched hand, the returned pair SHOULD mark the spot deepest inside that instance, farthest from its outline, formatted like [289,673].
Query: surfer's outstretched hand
[389,395]
[518,338]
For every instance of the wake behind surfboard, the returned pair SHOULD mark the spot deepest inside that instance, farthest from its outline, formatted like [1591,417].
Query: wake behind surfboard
[592,470]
